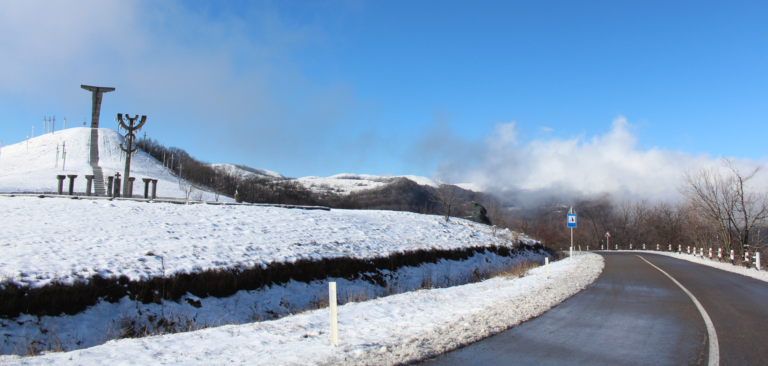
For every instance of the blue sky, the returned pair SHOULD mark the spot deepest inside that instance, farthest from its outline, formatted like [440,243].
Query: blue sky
[399,87]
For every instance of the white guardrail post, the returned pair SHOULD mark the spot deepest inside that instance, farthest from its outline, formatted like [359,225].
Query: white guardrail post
[334,317]
[546,265]
[757,260]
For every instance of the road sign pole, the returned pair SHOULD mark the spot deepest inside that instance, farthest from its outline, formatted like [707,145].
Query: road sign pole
[571,223]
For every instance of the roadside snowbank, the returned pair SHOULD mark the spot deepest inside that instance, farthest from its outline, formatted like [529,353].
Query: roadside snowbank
[395,329]
[105,321]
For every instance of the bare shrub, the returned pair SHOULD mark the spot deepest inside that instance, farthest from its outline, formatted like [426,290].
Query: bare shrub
[445,194]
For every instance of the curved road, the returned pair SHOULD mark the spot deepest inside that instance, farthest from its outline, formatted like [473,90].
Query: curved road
[633,314]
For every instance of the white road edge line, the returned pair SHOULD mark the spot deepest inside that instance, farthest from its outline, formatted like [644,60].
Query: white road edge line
[714,348]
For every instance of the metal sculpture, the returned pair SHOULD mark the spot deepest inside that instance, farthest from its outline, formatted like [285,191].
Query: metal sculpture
[130,136]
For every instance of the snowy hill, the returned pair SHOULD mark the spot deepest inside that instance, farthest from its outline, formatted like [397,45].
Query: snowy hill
[244,171]
[32,166]
[349,183]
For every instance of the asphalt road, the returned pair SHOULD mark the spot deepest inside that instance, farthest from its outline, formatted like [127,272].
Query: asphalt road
[633,314]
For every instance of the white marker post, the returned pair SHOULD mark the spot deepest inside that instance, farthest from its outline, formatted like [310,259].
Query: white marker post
[733,255]
[757,260]
[571,224]
[334,317]
[546,265]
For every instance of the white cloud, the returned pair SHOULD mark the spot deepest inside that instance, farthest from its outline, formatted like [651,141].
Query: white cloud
[611,163]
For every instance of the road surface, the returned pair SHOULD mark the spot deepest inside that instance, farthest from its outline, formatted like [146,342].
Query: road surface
[634,314]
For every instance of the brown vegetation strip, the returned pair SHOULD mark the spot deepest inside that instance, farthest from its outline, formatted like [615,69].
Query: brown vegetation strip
[57,298]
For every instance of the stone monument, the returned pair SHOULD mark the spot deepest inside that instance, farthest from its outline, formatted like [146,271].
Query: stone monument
[98,92]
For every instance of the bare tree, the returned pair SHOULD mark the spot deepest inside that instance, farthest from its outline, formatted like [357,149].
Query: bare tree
[598,212]
[711,196]
[749,207]
[444,194]
[187,188]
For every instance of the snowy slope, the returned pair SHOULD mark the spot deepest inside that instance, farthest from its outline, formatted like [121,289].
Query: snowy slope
[54,239]
[85,237]
[33,168]
[398,329]
[245,171]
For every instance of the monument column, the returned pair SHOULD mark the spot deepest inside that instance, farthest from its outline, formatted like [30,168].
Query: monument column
[61,183]
[98,92]
[71,183]
[146,187]
[88,185]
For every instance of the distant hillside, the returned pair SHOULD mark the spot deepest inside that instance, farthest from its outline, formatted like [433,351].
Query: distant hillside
[244,171]
[353,183]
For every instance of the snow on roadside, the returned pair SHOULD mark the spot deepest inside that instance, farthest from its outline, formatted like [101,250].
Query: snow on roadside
[749,272]
[390,330]
[107,321]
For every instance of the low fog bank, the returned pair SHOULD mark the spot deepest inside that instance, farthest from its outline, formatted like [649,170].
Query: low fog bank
[569,170]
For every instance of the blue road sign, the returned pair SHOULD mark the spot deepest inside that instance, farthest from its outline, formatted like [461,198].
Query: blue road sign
[571,220]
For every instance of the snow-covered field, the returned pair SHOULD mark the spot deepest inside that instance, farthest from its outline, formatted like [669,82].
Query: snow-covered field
[391,330]
[51,238]
[725,266]
[34,168]
[63,240]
